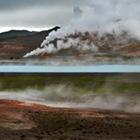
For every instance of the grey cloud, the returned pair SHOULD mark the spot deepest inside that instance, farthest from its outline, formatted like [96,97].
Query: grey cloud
[16,4]
[36,13]
[37,17]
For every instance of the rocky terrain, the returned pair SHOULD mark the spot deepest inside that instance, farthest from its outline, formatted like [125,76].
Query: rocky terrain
[109,45]
[21,119]
[14,44]
[29,121]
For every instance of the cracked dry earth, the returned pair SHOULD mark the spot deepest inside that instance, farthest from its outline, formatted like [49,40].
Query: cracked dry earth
[28,121]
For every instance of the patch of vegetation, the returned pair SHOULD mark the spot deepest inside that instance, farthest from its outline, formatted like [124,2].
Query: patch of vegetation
[96,83]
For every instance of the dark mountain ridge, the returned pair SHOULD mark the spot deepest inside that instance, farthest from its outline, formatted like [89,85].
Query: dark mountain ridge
[15,33]
[16,43]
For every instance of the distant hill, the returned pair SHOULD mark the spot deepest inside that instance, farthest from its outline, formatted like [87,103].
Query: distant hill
[16,43]
[14,33]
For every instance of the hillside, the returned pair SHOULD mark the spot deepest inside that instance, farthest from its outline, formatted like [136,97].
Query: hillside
[89,43]
[15,43]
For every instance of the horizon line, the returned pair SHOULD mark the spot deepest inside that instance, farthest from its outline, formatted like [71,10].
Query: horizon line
[6,29]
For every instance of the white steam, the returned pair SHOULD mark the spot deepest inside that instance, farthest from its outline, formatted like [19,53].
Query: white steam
[66,96]
[97,16]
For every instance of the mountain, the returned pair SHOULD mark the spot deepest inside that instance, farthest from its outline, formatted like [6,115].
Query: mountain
[16,43]
[14,33]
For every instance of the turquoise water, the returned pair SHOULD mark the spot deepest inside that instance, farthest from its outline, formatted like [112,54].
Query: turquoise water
[70,69]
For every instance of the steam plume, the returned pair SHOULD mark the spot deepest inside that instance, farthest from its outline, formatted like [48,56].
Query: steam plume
[58,97]
[94,25]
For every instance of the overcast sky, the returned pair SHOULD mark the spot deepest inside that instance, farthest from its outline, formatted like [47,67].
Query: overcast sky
[36,14]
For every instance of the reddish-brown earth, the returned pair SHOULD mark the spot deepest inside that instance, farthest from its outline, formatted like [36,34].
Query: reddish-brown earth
[15,44]
[28,121]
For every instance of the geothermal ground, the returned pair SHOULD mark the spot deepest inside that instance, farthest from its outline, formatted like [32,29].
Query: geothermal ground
[28,121]
[97,107]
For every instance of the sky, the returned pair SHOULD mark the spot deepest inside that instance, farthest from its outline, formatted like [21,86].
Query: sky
[36,14]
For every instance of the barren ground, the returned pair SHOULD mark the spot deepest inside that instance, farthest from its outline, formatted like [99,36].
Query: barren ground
[28,121]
